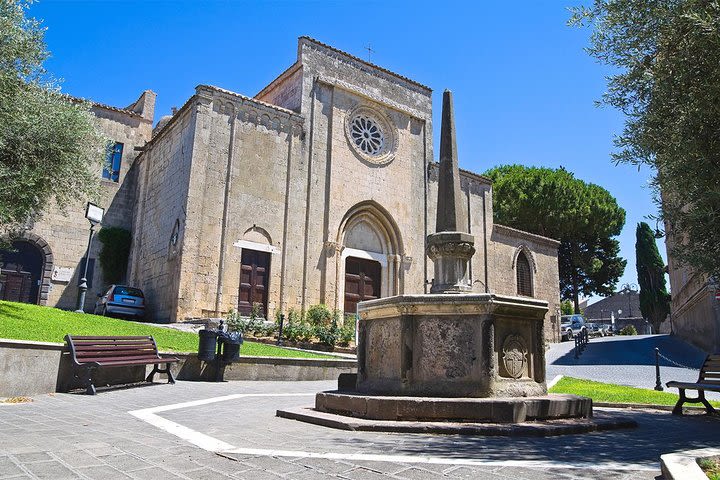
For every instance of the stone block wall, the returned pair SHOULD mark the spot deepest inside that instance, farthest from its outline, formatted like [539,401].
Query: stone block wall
[286,90]
[504,245]
[66,229]
[246,186]
[160,221]
[694,310]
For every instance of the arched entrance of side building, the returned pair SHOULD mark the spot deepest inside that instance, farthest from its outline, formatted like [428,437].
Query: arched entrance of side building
[25,270]
[370,256]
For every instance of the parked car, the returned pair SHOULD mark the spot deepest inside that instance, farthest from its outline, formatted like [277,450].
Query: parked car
[123,301]
[571,325]
[596,329]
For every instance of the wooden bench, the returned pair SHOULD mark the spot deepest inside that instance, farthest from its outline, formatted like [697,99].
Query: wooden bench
[90,353]
[709,379]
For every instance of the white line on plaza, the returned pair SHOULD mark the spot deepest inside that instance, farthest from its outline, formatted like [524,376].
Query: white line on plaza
[198,439]
[211,444]
[425,459]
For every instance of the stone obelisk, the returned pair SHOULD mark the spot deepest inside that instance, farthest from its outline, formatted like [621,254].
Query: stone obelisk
[450,248]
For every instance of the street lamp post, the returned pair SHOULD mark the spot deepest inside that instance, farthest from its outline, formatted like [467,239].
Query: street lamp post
[94,214]
[629,288]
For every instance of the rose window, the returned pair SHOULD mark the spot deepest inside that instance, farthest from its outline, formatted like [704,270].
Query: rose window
[367,135]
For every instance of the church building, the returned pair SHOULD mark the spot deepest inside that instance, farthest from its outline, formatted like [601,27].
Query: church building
[321,188]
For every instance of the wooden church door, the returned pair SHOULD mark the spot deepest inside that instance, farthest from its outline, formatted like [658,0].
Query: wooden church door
[254,273]
[362,282]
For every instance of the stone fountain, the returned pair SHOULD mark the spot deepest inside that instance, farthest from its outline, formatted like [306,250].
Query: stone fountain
[451,355]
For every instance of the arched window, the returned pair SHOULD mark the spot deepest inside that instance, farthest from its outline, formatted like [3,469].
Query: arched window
[524,276]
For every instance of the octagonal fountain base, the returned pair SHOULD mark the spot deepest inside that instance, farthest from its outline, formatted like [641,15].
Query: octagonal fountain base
[461,345]
[452,363]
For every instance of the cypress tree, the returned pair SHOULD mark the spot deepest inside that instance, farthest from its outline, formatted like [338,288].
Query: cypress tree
[654,298]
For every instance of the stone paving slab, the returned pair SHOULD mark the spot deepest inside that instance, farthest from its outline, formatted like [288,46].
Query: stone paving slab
[77,436]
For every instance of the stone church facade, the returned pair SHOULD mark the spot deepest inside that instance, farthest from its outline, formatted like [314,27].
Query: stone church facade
[319,189]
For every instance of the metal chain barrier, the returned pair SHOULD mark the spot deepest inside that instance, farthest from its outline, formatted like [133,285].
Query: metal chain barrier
[676,363]
[658,356]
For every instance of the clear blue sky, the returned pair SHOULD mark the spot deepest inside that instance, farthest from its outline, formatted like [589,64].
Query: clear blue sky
[524,88]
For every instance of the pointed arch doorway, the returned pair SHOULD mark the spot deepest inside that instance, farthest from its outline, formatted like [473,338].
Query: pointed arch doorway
[369,265]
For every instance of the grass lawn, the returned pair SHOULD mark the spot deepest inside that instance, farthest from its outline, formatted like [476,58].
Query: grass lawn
[21,321]
[607,392]
[711,467]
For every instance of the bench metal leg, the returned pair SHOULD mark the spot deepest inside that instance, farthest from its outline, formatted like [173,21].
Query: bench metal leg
[157,369]
[699,399]
[708,408]
[90,387]
[150,377]
[678,406]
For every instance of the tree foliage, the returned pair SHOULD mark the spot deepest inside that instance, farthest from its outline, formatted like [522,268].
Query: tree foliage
[567,307]
[583,216]
[49,145]
[666,59]
[654,298]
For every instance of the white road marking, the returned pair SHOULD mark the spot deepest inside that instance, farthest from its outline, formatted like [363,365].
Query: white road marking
[552,382]
[214,445]
[425,459]
[198,439]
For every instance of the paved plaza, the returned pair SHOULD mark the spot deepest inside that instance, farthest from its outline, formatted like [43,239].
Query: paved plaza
[195,430]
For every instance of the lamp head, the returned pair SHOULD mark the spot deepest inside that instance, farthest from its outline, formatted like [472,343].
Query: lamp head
[94,213]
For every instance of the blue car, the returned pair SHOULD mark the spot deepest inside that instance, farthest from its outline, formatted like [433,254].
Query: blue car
[121,301]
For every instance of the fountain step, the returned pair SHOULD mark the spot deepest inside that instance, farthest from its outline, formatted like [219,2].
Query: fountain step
[548,428]
[491,409]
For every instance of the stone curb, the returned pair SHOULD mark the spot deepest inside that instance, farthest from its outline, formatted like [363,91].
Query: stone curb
[35,368]
[551,428]
[667,408]
[684,466]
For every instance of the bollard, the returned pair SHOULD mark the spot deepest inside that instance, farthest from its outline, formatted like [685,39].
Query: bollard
[280,327]
[658,383]
[577,355]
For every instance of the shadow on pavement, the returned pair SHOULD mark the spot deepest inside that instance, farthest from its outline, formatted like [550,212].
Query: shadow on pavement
[657,434]
[634,350]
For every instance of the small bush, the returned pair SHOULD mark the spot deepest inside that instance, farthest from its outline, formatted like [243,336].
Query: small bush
[237,323]
[628,330]
[256,311]
[326,335]
[294,316]
[319,315]
[305,332]
[290,331]
[347,331]
[298,332]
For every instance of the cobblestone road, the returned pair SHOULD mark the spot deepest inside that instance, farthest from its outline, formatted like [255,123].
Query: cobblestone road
[75,436]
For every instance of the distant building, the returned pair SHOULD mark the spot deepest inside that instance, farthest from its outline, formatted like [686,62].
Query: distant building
[622,307]
[622,304]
